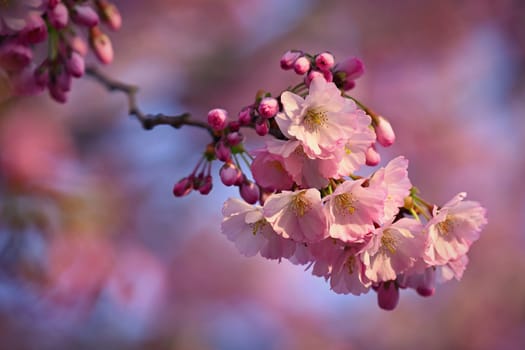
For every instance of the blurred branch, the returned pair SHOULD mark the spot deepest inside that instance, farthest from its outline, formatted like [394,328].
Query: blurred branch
[148,121]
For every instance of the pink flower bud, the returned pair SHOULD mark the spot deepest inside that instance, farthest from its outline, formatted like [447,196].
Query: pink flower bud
[15,57]
[387,296]
[79,45]
[63,80]
[35,30]
[249,192]
[58,16]
[372,157]
[75,65]
[324,61]
[327,75]
[52,3]
[101,44]
[426,283]
[230,174]
[384,132]
[349,70]
[41,74]
[268,107]
[57,93]
[234,138]
[85,15]
[183,187]
[288,59]
[262,128]
[222,152]
[301,65]
[234,126]
[217,119]
[206,186]
[110,14]
[245,116]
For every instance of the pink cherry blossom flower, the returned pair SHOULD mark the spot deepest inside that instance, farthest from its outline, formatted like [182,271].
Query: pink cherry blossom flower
[13,14]
[347,273]
[297,215]
[393,249]
[394,179]
[246,226]
[453,229]
[353,209]
[268,170]
[320,121]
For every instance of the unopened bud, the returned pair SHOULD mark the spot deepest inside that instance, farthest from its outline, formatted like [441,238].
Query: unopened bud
[15,57]
[58,16]
[101,44]
[206,185]
[75,65]
[245,116]
[288,59]
[372,157]
[249,192]
[262,128]
[384,132]
[268,107]
[234,138]
[301,65]
[183,187]
[222,152]
[217,119]
[85,15]
[35,30]
[230,174]
[426,283]
[388,296]
[110,14]
[324,61]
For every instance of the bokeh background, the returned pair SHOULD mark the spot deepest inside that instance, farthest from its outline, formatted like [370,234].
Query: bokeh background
[96,253]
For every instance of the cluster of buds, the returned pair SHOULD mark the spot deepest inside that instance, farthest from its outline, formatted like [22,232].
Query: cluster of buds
[359,233]
[323,65]
[27,23]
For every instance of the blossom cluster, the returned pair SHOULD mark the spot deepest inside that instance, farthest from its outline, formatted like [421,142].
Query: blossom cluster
[358,232]
[63,25]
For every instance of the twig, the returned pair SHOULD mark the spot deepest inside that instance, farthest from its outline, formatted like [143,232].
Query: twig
[148,121]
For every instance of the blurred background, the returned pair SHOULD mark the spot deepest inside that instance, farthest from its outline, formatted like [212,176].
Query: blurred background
[96,253]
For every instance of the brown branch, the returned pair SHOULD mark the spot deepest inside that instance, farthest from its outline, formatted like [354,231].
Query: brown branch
[148,121]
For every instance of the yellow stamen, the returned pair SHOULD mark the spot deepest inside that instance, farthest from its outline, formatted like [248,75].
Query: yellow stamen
[388,242]
[350,263]
[444,227]
[344,204]
[300,204]
[257,226]
[314,119]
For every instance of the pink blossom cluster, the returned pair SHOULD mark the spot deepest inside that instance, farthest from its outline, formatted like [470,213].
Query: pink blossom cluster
[63,25]
[358,232]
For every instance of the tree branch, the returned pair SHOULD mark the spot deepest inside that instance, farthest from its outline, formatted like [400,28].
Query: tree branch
[148,121]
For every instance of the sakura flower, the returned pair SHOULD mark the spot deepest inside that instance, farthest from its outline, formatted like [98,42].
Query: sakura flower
[245,225]
[393,249]
[347,273]
[297,215]
[320,121]
[268,170]
[353,209]
[453,229]
[13,14]
[394,179]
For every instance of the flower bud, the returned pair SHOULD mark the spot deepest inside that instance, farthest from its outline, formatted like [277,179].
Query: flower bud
[75,65]
[234,126]
[262,127]
[217,119]
[249,192]
[384,132]
[327,75]
[387,295]
[41,74]
[245,116]
[110,14]
[15,57]
[230,174]
[347,71]
[268,107]
[426,283]
[324,61]
[101,44]
[234,138]
[206,185]
[222,152]
[372,157]
[301,65]
[183,187]
[58,16]
[288,59]
[57,93]
[85,15]
[63,81]
[35,30]
[78,45]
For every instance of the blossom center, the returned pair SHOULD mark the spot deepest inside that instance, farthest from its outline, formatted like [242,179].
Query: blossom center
[315,119]
[257,226]
[444,227]
[300,204]
[344,204]
[388,242]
